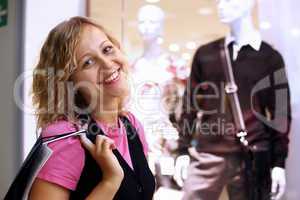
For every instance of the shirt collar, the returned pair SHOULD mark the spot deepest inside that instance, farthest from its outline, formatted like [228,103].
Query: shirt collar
[254,41]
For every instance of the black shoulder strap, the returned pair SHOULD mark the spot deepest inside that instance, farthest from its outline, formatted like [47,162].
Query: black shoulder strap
[94,130]
[134,142]
[231,90]
[146,181]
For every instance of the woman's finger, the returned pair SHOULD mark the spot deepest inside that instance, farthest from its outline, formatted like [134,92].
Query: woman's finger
[113,146]
[99,142]
[111,143]
[105,145]
[108,144]
[87,143]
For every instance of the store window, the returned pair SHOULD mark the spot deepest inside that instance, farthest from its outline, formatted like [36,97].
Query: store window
[160,39]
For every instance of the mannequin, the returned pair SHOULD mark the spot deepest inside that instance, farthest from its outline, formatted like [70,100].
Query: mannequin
[242,29]
[150,25]
[156,91]
[150,70]
[243,38]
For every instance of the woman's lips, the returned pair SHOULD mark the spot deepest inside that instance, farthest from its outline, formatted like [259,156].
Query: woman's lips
[113,78]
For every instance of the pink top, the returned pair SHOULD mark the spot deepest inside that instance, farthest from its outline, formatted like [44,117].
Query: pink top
[66,163]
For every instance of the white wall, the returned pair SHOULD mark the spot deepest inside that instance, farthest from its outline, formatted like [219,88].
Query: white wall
[41,17]
[284,33]
[10,120]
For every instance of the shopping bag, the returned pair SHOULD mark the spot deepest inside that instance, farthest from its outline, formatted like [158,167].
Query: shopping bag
[21,185]
[38,156]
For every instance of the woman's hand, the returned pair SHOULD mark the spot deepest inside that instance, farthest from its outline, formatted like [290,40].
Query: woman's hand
[112,174]
[101,151]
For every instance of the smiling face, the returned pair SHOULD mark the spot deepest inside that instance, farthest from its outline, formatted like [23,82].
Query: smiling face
[102,67]
[232,10]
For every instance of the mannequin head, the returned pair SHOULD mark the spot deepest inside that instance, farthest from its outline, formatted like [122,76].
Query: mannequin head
[150,19]
[231,11]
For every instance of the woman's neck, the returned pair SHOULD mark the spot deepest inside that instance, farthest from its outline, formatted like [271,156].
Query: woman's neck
[107,113]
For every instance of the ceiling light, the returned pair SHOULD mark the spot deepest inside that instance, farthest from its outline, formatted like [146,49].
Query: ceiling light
[174,47]
[191,45]
[152,1]
[205,11]
[160,40]
[186,56]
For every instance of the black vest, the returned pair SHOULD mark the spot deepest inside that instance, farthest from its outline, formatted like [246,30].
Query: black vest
[137,184]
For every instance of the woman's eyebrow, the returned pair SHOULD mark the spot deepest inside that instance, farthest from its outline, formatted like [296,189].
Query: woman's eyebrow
[101,44]
[81,57]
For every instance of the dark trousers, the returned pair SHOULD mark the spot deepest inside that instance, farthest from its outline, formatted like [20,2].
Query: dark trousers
[209,173]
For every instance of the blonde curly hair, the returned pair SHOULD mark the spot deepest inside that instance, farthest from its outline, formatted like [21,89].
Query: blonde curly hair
[56,65]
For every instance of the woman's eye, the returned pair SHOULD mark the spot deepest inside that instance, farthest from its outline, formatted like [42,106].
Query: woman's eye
[88,63]
[108,49]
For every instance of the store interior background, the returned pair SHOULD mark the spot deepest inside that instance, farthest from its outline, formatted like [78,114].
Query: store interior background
[188,25]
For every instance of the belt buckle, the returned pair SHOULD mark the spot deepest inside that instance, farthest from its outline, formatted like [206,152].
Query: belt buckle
[231,88]
[242,137]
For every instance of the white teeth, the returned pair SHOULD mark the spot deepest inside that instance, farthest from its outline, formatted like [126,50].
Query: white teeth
[112,77]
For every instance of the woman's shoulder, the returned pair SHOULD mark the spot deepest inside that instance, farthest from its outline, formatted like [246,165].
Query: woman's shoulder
[134,120]
[67,159]
[58,127]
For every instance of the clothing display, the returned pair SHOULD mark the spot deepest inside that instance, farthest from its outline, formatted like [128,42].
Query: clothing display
[250,67]
[215,134]
[209,172]
[158,85]
[153,83]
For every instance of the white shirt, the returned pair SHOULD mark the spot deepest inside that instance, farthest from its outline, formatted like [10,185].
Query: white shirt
[254,40]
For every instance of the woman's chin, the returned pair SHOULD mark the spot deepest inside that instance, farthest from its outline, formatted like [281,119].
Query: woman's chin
[118,92]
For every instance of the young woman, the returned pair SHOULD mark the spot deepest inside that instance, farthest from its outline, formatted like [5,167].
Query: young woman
[81,70]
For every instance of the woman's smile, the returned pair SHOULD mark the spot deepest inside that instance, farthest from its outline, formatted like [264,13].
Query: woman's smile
[112,78]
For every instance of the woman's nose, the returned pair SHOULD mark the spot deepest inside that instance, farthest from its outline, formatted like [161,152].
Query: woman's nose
[106,63]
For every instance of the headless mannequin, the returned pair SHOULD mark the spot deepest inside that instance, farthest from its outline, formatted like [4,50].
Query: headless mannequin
[237,15]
